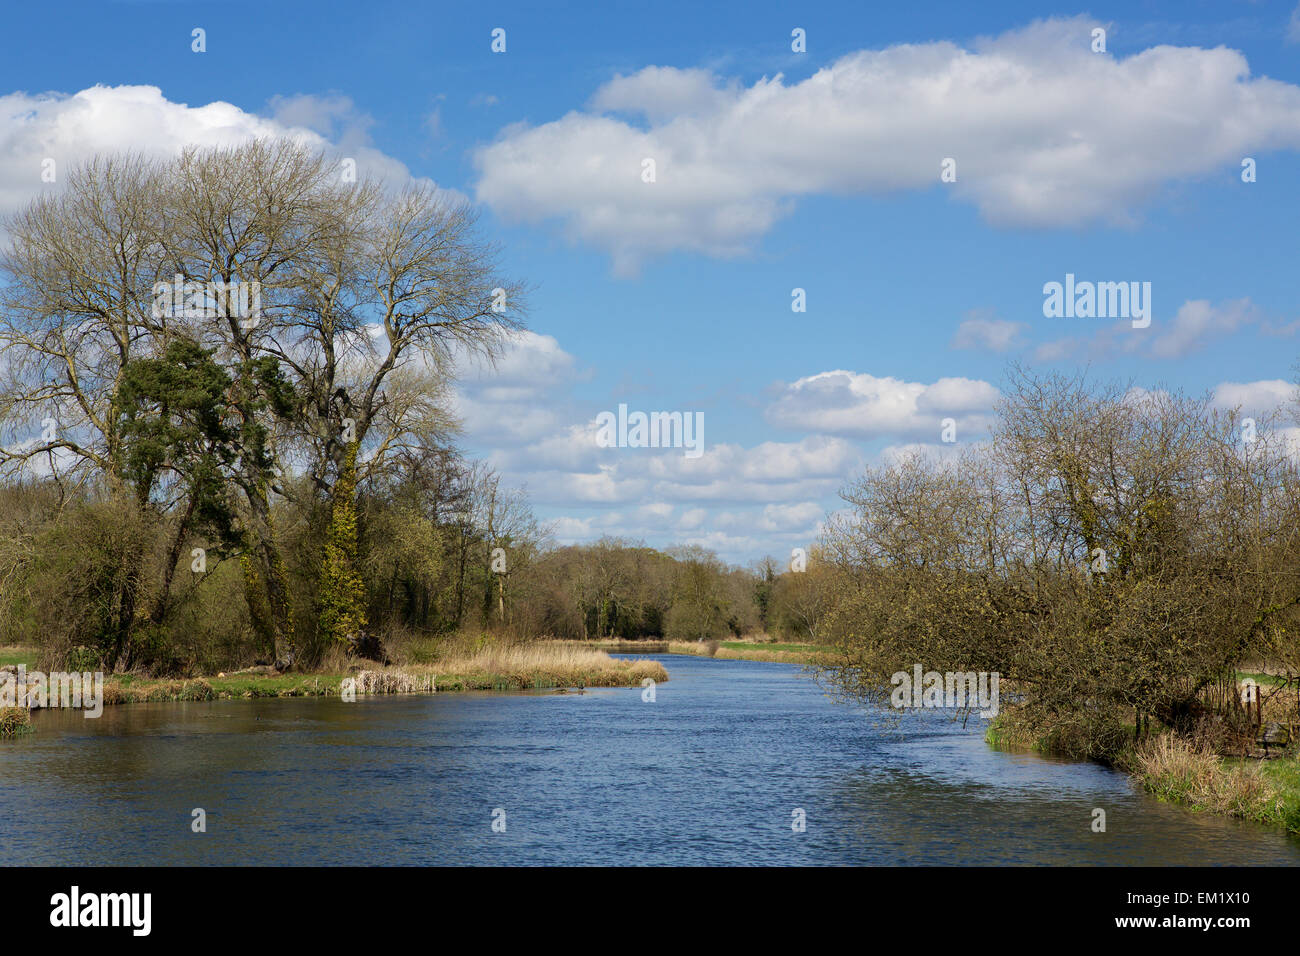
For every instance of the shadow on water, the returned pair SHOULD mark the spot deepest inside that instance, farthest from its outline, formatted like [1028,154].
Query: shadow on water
[711,772]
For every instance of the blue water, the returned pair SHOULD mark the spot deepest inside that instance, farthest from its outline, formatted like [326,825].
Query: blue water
[711,772]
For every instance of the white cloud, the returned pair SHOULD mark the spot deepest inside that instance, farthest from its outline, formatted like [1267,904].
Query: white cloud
[1196,323]
[569,467]
[71,128]
[333,116]
[521,397]
[994,335]
[862,405]
[661,93]
[791,517]
[1198,320]
[1059,349]
[1254,398]
[1044,132]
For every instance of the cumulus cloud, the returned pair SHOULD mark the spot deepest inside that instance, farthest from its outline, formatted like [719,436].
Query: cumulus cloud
[521,397]
[569,466]
[1255,398]
[662,93]
[862,405]
[736,535]
[1044,133]
[71,128]
[333,116]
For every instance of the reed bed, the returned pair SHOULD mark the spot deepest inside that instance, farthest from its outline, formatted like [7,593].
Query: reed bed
[542,664]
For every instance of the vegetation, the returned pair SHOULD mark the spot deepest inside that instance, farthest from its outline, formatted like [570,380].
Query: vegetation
[204,361]
[188,487]
[1116,555]
[454,665]
[14,721]
[1178,770]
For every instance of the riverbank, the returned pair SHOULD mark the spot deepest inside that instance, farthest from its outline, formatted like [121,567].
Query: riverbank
[1176,770]
[1265,791]
[538,666]
[723,650]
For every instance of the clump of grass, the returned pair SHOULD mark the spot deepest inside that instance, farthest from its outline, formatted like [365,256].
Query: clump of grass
[15,721]
[1176,770]
[782,654]
[394,682]
[126,690]
[772,645]
[698,648]
[1005,733]
[541,664]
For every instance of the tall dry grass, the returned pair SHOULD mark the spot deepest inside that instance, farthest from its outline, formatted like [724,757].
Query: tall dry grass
[544,663]
[1175,769]
[469,661]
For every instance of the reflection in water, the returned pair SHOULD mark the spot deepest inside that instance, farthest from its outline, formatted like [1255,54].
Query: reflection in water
[707,774]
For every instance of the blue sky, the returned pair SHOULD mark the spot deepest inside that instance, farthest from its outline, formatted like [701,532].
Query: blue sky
[775,170]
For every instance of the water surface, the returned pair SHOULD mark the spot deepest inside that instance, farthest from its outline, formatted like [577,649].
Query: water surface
[709,773]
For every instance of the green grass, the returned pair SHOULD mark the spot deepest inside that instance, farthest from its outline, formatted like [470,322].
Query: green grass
[1284,774]
[16,654]
[1260,678]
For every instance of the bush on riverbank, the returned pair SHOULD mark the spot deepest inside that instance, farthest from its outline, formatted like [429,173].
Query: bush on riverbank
[1116,556]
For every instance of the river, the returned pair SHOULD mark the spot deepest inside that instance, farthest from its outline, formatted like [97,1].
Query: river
[710,772]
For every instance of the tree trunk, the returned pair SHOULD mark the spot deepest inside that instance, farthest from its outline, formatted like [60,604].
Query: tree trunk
[275,579]
[173,556]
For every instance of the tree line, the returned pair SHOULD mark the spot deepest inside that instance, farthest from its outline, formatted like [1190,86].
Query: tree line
[225,435]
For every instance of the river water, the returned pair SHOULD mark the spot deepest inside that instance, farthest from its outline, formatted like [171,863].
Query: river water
[710,772]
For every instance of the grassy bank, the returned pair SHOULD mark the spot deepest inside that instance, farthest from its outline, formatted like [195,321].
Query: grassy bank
[1265,791]
[1179,771]
[726,650]
[518,667]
